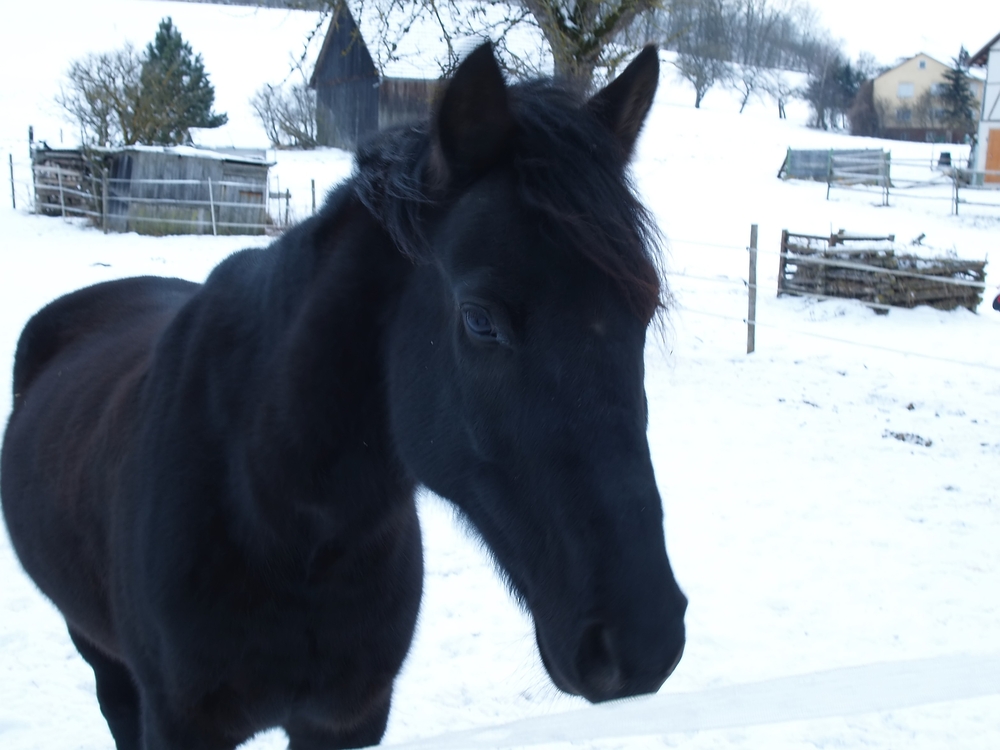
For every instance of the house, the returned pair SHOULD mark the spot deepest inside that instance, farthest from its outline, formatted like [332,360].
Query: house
[987,155]
[377,71]
[905,101]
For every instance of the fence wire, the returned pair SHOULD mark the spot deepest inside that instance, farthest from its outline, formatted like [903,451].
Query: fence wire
[809,334]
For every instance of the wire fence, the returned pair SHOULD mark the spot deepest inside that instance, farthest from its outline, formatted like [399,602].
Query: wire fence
[916,179]
[277,213]
[754,320]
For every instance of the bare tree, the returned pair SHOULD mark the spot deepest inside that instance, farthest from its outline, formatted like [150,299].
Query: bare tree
[288,114]
[583,38]
[927,110]
[124,97]
[704,44]
[755,46]
[581,34]
[103,94]
[863,116]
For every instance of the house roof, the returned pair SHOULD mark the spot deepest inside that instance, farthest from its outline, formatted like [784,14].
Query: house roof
[908,59]
[981,57]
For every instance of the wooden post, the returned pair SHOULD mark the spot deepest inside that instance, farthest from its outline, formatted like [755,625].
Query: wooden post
[752,304]
[62,199]
[829,172]
[886,164]
[314,194]
[288,200]
[104,202]
[211,205]
[781,261]
[13,198]
[954,180]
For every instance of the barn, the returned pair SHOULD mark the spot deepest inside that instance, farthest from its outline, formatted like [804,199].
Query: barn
[374,72]
[155,190]
[352,99]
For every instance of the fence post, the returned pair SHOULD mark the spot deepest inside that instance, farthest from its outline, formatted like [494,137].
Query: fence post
[104,202]
[62,199]
[829,172]
[288,200]
[13,199]
[954,180]
[781,261]
[886,164]
[211,205]
[313,181]
[752,303]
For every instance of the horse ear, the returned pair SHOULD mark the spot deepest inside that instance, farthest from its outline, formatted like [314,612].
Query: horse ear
[473,121]
[623,104]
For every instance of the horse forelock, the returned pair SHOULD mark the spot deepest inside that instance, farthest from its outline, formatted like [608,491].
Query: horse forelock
[569,169]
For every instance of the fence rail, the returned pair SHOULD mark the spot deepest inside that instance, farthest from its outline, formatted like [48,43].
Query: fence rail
[123,203]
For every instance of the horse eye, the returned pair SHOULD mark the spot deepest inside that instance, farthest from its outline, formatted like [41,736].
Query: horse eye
[478,323]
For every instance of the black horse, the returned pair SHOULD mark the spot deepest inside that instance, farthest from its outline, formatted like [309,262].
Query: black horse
[215,483]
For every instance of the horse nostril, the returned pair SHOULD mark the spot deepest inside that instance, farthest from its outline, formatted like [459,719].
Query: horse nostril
[597,664]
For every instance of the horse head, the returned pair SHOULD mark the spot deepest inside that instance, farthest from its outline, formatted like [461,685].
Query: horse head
[515,361]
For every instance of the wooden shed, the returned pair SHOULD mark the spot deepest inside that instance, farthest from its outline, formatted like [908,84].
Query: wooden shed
[353,100]
[156,190]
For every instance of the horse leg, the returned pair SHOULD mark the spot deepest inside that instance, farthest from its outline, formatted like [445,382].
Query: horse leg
[163,730]
[306,733]
[116,693]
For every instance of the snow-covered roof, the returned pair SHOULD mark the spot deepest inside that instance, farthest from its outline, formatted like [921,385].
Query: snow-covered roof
[242,156]
[256,157]
[410,42]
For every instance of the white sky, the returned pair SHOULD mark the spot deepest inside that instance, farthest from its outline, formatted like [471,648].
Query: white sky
[891,29]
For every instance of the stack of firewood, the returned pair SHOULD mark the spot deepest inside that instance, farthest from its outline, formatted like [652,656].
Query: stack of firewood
[877,275]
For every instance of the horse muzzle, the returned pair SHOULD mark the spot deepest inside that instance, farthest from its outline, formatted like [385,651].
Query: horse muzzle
[605,661]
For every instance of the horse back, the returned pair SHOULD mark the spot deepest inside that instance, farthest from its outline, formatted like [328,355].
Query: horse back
[95,311]
[78,368]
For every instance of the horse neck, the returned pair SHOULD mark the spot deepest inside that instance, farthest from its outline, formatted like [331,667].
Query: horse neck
[318,436]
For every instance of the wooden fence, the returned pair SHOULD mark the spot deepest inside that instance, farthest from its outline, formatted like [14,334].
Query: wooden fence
[151,206]
[868,269]
[862,168]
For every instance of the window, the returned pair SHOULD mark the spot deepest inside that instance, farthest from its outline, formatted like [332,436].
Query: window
[923,64]
[937,89]
[904,91]
[903,115]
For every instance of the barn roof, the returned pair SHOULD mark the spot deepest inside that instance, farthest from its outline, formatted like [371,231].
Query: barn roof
[411,44]
[256,157]
[240,156]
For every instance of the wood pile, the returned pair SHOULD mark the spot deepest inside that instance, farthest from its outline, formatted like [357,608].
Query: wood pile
[64,184]
[869,269]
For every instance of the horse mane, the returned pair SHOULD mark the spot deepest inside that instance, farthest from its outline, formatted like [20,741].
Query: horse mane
[568,167]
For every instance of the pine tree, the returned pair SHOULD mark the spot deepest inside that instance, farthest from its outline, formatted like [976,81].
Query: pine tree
[957,99]
[177,87]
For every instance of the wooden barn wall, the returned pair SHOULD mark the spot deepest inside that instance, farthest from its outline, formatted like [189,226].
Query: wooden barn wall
[403,100]
[346,84]
[152,208]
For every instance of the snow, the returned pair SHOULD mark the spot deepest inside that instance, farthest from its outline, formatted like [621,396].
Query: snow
[809,540]
[242,48]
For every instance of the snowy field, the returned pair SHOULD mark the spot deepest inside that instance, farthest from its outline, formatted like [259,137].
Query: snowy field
[806,536]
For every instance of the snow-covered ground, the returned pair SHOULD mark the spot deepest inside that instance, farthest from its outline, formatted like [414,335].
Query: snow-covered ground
[806,536]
